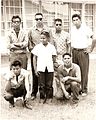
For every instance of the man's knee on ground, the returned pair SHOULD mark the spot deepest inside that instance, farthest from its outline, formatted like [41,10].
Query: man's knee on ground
[59,94]
[8,96]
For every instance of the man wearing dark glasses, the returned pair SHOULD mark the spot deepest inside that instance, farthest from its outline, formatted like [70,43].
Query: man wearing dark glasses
[34,39]
[61,39]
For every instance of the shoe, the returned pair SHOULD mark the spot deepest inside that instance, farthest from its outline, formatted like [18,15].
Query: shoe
[27,105]
[49,101]
[84,94]
[33,97]
[11,105]
[75,101]
[41,101]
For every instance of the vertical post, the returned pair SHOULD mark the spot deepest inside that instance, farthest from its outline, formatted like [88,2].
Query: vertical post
[55,9]
[23,14]
[40,6]
[83,12]
[0,22]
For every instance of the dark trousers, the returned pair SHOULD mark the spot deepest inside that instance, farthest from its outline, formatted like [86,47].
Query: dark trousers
[82,59]
[35,79]
[71,87]
[11,93]
[46,84]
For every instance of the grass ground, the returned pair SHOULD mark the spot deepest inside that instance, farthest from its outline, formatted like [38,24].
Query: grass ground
[57,110]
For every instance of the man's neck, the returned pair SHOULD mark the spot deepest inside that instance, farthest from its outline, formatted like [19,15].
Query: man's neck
[58,31]
[17,30]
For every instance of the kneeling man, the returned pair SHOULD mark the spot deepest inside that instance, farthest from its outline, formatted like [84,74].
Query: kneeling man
[17,85]
[69,78]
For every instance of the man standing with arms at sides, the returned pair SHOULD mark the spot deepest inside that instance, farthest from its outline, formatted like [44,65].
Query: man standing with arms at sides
[34,39]
[81,42]
[17,42]
[61,40]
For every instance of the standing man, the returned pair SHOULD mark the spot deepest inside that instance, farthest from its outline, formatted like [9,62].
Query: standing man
[34,39]
[61,40]
[17,42]
[81,42]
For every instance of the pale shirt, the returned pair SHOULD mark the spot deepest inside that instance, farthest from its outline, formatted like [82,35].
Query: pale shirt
[23,75]
[61,40]
[80,38]
[44,57]
[34,36]
[22,39]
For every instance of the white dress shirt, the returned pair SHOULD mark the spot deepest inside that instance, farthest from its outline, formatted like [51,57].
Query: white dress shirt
[44,56]
[80,38]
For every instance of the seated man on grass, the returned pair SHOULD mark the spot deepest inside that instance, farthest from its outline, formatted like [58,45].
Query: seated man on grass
[17,85]
[69,77]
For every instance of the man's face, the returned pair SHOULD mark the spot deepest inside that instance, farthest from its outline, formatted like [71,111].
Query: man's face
[58,25]
[67,60]
[16,23]
[76,22]
[38,19]
[16,69]
[44,39]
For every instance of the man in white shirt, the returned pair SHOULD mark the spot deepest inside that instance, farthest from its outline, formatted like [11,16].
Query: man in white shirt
[81,42]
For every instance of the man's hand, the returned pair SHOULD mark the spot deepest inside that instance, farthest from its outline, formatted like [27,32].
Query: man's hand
[88,50]
[37,73]
[65,79]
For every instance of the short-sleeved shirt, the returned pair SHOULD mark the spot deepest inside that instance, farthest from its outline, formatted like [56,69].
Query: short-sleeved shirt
[34,36]
[80,38]
[61,40]
[74,71]
[44,56]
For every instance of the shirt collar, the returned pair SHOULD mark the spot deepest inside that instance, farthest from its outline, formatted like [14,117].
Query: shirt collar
[64,68]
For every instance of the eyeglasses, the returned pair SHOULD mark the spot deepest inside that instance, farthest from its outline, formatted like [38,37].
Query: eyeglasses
[38,19]
[58,24]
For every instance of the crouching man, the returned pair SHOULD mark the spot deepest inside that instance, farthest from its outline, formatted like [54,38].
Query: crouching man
[69,78]
[17,85]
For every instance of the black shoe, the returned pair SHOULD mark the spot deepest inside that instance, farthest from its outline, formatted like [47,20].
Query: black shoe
[27,105]
[11,105]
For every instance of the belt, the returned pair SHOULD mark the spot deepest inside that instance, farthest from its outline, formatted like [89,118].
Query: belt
[79,49]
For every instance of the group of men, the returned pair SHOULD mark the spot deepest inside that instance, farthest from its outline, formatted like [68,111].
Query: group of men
[71,65]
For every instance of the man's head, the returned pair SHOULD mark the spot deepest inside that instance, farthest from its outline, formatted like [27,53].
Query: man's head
[39,19]
[67,59]
[45,37]
[16,21]
[16,67]
[76,19]
[58,25]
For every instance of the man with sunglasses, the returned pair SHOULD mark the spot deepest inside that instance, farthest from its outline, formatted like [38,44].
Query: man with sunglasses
[34,39]
[61,39]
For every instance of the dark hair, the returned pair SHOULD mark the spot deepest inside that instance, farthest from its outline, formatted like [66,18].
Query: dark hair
[39,14]
[76,15]
[66,54]
[45,33]
[15,17]
[16,63]
[58,19]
